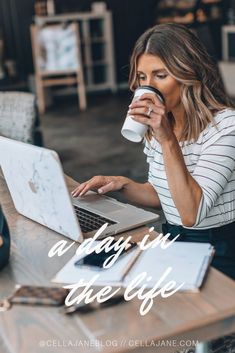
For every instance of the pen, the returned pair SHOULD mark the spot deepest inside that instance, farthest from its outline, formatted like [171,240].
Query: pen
[131,263]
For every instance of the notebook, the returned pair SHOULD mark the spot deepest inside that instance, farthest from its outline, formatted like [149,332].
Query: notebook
[189,263]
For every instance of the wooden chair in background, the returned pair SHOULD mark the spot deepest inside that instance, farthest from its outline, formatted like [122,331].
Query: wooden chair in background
[45,77]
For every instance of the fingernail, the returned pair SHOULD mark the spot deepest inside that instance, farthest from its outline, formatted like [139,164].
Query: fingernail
[100,191]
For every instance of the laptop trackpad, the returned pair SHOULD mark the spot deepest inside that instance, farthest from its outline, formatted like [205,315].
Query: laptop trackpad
[99,203]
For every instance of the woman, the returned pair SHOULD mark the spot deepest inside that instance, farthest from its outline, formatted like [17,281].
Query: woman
[190,144]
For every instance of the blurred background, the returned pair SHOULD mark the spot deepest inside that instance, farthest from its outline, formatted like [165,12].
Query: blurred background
[73,56]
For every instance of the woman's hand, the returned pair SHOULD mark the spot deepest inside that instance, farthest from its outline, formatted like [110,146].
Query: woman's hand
[143,194]
[100,183]
[150,111]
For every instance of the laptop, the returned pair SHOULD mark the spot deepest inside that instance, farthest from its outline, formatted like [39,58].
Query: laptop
[36,182]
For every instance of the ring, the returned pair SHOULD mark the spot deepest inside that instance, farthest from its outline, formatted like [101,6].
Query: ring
[149,112]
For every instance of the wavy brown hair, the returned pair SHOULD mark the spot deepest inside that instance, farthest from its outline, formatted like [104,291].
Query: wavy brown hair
[186,59]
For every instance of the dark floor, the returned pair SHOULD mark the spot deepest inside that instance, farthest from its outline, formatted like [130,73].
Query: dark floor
[90,143]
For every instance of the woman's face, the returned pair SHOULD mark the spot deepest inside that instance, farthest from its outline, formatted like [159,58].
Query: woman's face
[152,72]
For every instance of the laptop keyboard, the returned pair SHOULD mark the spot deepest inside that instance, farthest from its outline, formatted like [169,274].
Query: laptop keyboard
[90,221]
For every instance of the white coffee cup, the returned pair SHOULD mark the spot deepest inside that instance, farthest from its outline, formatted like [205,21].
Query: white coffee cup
[133,130]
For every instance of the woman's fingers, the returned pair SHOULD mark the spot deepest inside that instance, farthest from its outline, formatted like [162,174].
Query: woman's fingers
[155,122]
[146,113]
[93,183]
[102,184]
[142,120]
[153,98]
[77,192]
[87,187]
[145,106]
[106,188]
[147,110]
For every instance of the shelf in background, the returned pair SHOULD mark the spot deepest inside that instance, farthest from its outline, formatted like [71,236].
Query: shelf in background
[96,43]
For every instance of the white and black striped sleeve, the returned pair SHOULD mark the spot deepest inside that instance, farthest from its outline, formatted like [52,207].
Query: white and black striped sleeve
[215,168]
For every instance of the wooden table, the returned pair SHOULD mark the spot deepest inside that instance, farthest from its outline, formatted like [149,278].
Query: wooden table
[24,329]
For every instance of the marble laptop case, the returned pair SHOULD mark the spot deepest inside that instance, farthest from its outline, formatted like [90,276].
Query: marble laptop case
[35,179]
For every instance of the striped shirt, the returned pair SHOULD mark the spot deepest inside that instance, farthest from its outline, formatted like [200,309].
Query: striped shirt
[211,162]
